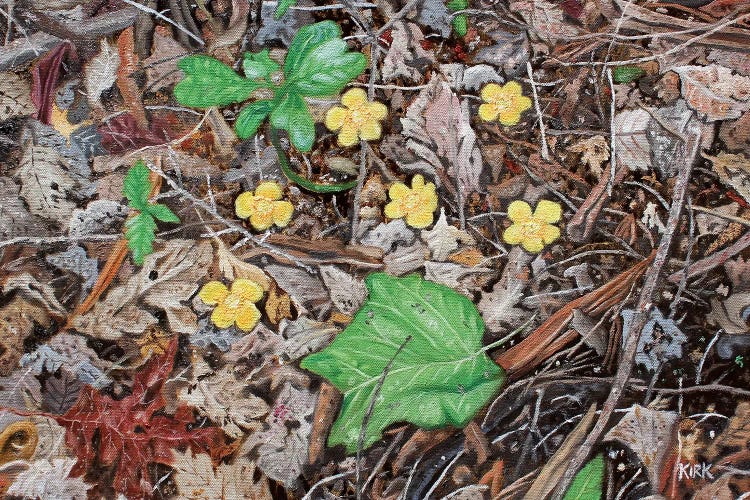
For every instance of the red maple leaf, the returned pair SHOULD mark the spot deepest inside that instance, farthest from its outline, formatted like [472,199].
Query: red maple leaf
[133,432]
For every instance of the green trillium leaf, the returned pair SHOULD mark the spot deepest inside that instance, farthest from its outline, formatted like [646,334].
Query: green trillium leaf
[307,38]
[588,483]
[326,69]
[283,7]
[259,64]
[209,82]
[441,377]
[251,116]
[293,116]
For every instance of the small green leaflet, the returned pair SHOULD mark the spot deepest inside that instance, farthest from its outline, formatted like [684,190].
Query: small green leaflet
[209,82]
[140,228]
[283,7]
[460,22]
[259,65]
[441,377]
[627,74]
[588,483]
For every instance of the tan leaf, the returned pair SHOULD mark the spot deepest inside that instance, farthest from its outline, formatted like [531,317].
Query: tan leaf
[197,479]
[733,170]
[714,91]
[443,238]
[595,151]
[15,96]
[278,305]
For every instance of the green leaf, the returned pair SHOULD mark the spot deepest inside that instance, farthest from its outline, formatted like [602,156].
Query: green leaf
[456,5]
[326,69]
[461,24]
[283,7]
[588,483]
[140,235]
[209,82]
[251,117]
[259,64]
[441,377]
[306,39]
[627,74]
[293,116]
[136,186]
[162,213]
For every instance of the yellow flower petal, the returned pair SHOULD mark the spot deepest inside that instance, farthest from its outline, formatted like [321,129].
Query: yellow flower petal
[532,244]
[548,211]
[269,190]
[370,131]
[509,117]
[335,118]
[377,110]
[429,196]
[419,219]
[488,112]
[247,317]
[519,211]
[398,190]
[393,210]
[223,316]
[244,205]
[282,213]
[522,103]
[354,97]
[262,220]
[247,290]
[491,92]
[348,136]
[549,233]
[213,292]
[512,88]
[513,235]
[417,182]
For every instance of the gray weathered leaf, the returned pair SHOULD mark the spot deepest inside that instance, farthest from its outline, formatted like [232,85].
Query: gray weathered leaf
[660,341]
[15,96]
[101,72]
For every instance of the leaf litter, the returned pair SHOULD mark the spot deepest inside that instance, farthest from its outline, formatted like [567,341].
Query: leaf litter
[526,277]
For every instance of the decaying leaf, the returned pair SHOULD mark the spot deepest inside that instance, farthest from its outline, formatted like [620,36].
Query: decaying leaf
[224,399]
[167,280]
[198,479]
[282,444]
[595,151]
[444,238]
[733,170]
[649,434]
[660,340]
[15,96]
[632,147]
[499,306]
[438,127]
[101,72]
[714,91]
[347,293]
[406,58]
[49,478]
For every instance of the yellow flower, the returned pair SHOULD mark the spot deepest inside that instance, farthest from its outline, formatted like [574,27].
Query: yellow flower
[235,305]
[264,206]
[359,118]
[504,103]
[533,231]
[417,203]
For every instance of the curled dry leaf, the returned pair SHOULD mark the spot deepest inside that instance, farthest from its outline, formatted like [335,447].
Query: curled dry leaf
[714,91]
[167,280]
[649,434]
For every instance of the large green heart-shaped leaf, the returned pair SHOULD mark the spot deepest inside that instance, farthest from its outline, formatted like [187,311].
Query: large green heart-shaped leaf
[441,377]
[210,82]
[588,483]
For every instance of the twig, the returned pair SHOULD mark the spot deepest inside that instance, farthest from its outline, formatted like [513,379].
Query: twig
[443,474]
[612,133]
[164,18]
[537,107]
[699,369]
[52,240]
[716,213]
[650,285]
[370,409]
